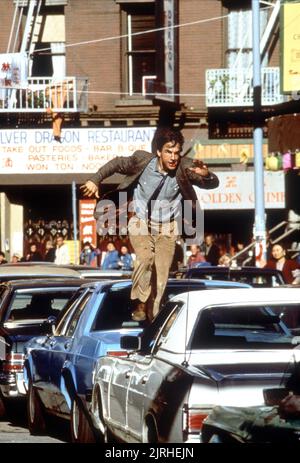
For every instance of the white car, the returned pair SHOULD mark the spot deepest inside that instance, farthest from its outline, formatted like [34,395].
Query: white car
[206,348]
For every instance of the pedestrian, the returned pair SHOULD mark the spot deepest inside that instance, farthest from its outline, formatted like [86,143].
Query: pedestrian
[62,256]
[280,262]
[178,258]
[50,252]
[125,259]
[211,250]
[16,258]
[111,259]
[159,182]
[2,258]
[240,246]
[88,255]
[224,260]
[34,255]
[196,256]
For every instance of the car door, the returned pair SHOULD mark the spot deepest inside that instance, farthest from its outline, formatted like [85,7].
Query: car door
[147,375]
[84,353]
[118,392]
[62,345]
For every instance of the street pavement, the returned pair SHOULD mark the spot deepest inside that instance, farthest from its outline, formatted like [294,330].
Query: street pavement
[13,428]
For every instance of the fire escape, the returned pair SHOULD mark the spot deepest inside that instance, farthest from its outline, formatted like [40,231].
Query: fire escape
[20,92]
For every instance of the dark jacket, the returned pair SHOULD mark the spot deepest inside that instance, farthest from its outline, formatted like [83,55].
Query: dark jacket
[133,166]
[50,255]
[288,267]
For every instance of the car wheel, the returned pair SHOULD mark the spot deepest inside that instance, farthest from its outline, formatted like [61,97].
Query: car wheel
[35,412]
[80,427]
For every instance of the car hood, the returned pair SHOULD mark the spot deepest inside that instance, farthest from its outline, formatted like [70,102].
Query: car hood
[238,378]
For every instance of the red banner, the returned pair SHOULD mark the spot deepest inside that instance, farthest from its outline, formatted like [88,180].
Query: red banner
[87,223]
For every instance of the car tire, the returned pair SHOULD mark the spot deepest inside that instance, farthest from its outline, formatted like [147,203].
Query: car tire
[35,412]
[81,430]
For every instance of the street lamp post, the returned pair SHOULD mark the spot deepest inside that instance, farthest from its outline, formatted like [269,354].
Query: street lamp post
[259,222]
[74,210]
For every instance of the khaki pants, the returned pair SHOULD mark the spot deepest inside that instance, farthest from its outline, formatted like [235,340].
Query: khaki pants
[154,254]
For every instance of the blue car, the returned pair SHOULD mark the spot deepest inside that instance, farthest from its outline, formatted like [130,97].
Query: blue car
[58,368]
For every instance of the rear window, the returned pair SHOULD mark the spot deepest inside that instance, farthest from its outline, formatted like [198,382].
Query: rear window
[251,327]
[114,311]
[36,306]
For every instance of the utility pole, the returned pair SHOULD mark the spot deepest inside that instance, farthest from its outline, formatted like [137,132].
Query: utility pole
[259,222]
[74,210]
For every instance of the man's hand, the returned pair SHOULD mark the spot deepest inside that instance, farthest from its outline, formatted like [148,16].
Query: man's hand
[200,168]
[90,189]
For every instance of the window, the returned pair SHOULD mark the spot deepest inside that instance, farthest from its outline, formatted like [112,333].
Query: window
[66,313]
[239,51]
[247,327]
[36,306]
[49,54]
[77,314]
[139,50]
[114,311]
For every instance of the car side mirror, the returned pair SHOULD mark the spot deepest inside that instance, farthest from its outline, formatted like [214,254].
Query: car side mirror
[130,343]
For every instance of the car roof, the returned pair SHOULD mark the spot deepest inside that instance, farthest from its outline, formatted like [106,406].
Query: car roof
[196,300]
[27,271]
[43,283]
[172,282]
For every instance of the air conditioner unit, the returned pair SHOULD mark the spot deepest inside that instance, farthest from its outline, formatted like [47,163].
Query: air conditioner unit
[148,85]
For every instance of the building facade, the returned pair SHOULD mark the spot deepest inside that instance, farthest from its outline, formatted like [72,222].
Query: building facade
[110,72]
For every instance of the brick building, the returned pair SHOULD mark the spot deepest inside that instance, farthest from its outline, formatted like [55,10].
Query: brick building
[117,84]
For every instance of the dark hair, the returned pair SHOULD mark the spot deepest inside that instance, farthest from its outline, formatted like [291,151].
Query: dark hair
[165,135]
[2,254]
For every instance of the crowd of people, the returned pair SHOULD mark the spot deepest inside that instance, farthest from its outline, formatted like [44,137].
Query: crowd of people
[115,252]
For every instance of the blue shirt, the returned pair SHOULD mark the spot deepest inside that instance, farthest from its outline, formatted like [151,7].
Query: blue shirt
[111,260]
[167,204]
[126,261]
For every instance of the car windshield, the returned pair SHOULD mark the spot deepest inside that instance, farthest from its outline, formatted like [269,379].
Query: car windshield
[35,306]
[269,327]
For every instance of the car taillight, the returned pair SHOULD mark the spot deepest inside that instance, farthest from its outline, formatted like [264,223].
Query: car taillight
[193,419]
[13,362]
[117,353]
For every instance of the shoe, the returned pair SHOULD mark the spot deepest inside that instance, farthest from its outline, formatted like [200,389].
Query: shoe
[139,314]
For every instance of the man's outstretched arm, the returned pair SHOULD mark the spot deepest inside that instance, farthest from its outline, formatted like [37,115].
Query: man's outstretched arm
[119,165]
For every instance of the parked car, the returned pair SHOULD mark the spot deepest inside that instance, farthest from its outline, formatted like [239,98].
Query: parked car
[203,349]
[59,368]
[47,269]
[25,308]
[255,276]
[32,270]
